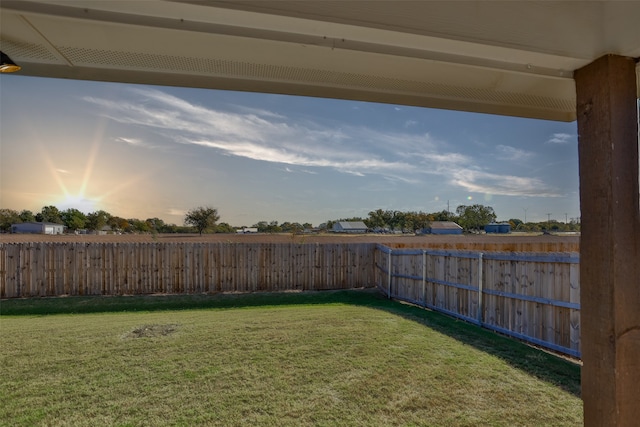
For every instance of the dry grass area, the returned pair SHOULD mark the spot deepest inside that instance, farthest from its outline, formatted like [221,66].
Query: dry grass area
[569,241]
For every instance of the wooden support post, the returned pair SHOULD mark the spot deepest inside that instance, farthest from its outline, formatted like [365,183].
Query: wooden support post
[610,242]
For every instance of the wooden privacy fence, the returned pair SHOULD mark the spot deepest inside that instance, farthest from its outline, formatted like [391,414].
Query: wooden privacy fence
[531,296]
[53,269]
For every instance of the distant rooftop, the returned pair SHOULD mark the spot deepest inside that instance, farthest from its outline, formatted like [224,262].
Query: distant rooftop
[444,224]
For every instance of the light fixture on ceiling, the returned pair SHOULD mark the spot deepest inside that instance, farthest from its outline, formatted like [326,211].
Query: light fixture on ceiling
[7,65]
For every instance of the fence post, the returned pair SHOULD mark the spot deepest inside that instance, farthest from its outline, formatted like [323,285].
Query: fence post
[480,307]
[389,274]
[424,278]
[19,272]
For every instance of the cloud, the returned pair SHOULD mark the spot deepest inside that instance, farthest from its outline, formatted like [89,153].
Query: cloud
[254,134]
[176,212]
[355,173]
[461,171]
[398,157]
[560,138]
[444,164]
[259,112]
[504,185]
[410,123]
[508,153]
[133,142]
[289,170]
[63,171]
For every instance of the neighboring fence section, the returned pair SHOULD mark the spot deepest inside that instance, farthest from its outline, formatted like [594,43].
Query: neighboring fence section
[53,269]
[531,296]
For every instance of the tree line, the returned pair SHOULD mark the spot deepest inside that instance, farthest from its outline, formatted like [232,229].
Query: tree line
[200,219]
[204,219]
[472,218]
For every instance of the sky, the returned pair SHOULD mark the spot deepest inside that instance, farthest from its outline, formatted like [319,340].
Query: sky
[141,152]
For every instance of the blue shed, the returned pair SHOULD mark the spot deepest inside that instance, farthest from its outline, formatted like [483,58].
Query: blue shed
[503,228]
[492,228]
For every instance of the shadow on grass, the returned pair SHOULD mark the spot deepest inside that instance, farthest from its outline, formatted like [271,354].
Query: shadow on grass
[545,366]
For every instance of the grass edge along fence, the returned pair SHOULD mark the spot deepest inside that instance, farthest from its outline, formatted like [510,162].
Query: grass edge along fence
[534,297]
[55,269]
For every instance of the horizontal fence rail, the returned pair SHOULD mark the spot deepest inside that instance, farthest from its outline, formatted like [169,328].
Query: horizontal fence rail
[54,269]
[531,296]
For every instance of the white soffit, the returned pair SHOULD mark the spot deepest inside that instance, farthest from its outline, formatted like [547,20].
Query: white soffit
[511,58]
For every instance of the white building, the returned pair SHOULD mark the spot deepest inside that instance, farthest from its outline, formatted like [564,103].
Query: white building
[247,230]
[37,228]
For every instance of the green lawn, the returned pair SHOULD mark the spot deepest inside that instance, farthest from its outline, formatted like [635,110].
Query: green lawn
[332,358]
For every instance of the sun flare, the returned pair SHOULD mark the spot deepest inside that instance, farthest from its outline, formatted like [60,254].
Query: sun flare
[68,200]
[79,201]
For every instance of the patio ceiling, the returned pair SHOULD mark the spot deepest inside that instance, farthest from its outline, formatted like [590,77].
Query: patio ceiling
[511,58]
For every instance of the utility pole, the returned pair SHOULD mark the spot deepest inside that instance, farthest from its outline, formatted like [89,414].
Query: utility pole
[548,217]
[525,214]
[566,221]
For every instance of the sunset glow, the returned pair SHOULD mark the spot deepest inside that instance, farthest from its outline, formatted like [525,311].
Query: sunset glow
[155,152]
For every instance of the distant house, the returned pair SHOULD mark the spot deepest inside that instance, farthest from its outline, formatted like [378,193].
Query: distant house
[103,231]
[37,228]
[247,230]
[443,227]
[349,227]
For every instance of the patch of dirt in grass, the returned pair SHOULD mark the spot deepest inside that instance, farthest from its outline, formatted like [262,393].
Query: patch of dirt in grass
[152,331]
